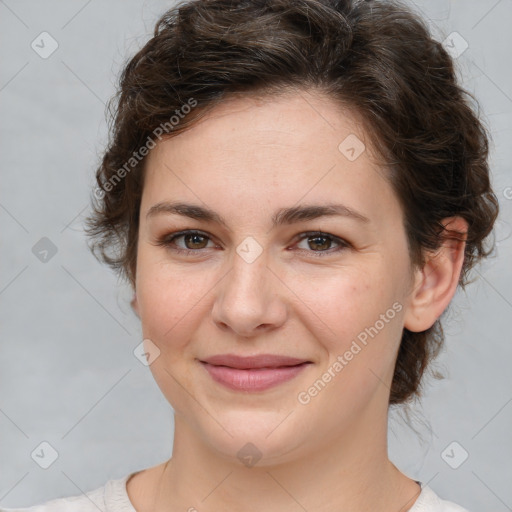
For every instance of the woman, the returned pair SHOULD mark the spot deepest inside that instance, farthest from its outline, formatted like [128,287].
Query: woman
[295,189]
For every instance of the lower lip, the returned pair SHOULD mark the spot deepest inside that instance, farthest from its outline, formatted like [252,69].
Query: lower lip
[253,379]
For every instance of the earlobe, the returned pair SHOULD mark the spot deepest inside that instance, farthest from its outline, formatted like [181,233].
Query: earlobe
[436,283]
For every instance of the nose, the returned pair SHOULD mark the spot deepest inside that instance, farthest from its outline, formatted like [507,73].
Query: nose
[250,299]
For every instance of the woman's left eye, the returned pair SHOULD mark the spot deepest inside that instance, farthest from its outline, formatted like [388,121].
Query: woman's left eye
[320,240]
[315,239]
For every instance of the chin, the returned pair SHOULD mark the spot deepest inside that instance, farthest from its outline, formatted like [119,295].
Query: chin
[256,438]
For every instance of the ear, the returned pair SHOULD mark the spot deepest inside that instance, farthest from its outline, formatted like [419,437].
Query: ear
[435,284]
[134,304]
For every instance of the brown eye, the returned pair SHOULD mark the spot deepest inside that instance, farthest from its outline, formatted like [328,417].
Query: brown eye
[319,243]
[192,242]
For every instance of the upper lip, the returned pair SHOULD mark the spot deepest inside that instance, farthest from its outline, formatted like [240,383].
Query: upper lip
[258,361]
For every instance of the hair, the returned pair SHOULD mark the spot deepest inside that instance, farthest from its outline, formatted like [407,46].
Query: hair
[376,57]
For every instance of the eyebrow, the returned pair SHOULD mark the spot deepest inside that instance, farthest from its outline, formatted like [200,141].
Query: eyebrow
[283,216]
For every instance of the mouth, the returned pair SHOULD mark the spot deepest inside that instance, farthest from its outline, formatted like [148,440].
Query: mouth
[253,373]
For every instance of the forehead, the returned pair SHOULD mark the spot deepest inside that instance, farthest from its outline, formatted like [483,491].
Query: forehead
[251,151]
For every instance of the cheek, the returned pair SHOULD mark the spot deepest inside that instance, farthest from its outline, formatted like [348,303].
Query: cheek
[336,304]
[360,329]
[356,316]
[346,300]
[170,302]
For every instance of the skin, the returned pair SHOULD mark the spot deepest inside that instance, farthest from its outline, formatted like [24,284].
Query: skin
[246,159]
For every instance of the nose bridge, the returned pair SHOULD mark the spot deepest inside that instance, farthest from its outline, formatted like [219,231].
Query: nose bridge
[249,267]
[248,297]
[248,280]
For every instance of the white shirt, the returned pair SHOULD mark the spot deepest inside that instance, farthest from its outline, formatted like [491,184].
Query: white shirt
[113,497]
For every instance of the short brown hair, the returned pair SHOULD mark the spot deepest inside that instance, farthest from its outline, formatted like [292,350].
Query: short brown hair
[377,57]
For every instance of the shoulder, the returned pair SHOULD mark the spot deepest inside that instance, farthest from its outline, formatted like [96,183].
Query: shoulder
[110,497]
[429,501]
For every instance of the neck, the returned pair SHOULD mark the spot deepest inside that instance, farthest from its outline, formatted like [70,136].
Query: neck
[350,472]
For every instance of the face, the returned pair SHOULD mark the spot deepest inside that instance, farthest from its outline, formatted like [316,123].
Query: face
[264,275]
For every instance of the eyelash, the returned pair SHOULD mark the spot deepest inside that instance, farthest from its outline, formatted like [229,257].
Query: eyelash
[168,240]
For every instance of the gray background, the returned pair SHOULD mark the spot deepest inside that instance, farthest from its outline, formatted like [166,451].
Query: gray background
[68,375]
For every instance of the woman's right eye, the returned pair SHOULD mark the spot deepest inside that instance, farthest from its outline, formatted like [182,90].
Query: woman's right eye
[194,239]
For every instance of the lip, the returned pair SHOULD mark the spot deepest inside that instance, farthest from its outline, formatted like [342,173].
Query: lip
[253,373]
[257,361]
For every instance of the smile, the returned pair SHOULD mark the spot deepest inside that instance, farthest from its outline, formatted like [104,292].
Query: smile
[253,378]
